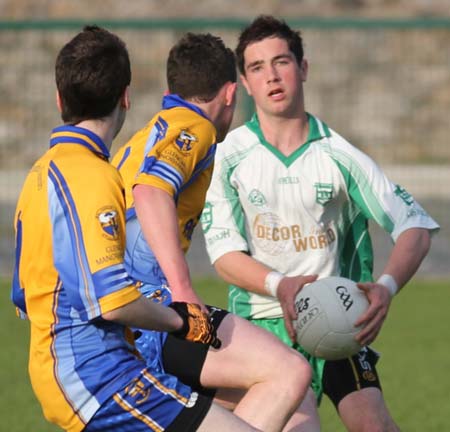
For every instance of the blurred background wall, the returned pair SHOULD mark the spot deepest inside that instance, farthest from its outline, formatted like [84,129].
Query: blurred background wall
[379,75]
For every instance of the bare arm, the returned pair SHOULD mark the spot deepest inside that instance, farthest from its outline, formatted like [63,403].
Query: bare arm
[183,320]
[157,216]
[406,256]
[143,313]
[242,270]
[411,248]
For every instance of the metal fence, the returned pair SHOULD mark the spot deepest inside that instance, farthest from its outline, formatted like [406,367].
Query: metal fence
[382,84]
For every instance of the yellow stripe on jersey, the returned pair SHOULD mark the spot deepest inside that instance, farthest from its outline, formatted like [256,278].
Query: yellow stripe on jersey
[165,389]
[137,414]
[119,298]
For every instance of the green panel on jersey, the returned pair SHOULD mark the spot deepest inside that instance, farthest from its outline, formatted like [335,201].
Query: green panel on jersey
[360,190]
[356,259]
[238,301]
[229,164]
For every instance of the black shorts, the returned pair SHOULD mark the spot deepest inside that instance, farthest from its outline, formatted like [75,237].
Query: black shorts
[190,419]
[185,359]
[342,377]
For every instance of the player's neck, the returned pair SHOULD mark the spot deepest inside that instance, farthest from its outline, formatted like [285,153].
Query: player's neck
[100,128]
[106,128]
[286,134]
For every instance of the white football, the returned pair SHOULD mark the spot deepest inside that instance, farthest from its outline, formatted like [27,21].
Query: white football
[327,310]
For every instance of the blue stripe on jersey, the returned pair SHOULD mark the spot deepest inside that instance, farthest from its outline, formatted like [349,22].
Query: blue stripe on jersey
[130,214]
[72,140]
[175,101]
[17,292]
[72,387]
[202,165]
[90,360]
[157,133]
[101,149]
[114,276]
[67,233]
[125,155]
[79,349]
[152,165]
[167,173]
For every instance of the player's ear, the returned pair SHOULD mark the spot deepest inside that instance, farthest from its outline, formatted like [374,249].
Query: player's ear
[125,99]
[230,94]
[59,103]
[245,84]
[304,70]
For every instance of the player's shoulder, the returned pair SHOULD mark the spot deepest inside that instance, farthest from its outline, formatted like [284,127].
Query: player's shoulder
[184,121]
[339,148]
[347,157]
[238,140]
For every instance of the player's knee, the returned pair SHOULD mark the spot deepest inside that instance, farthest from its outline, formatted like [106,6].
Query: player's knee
[295,376]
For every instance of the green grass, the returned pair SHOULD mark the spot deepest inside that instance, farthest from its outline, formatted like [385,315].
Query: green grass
[413,368]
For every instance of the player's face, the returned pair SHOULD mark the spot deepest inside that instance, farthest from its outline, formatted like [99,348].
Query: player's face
[274,78]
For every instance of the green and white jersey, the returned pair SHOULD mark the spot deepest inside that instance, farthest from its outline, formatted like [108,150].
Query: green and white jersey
[306,213]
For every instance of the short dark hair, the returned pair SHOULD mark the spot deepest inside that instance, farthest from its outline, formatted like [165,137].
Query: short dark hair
[92,71]
[198,66]
[266,26]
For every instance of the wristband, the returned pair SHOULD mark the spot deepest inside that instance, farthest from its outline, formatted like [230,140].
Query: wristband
[272,281]
[389,282]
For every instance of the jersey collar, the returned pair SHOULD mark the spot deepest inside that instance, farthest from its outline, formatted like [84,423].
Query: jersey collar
[68,134]
[317,131]
[175,101]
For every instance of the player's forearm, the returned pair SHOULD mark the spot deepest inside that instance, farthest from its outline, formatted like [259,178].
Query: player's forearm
[407,254]
[157,216]
[239,269]
[143,313]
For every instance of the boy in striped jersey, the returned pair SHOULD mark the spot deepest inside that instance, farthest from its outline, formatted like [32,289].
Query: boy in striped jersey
[70,280]
[290,200]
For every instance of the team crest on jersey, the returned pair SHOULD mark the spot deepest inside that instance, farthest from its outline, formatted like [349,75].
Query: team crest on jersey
[257,198]
[324,193]
[404,195]
[207,217]
[107,217]
[185,141]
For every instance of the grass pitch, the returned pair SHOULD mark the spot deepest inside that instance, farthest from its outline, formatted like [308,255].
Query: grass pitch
[414,343]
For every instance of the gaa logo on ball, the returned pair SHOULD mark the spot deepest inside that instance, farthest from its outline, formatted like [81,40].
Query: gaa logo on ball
[327,310]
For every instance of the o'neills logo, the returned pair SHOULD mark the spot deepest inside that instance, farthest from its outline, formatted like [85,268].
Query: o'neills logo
[273,237]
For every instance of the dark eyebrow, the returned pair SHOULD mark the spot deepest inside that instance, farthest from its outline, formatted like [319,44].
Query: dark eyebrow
[255,63]
[282,56]
[278,57]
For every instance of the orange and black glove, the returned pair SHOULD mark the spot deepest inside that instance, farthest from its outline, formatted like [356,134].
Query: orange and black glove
[197,326]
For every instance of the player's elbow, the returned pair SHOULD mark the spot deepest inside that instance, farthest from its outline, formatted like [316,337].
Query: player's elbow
[222,268]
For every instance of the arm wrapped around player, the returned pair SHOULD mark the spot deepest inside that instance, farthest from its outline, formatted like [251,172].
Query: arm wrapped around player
[197,325]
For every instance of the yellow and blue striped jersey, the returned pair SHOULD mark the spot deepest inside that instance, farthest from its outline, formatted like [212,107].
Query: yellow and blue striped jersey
[174,152]
[69,270]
